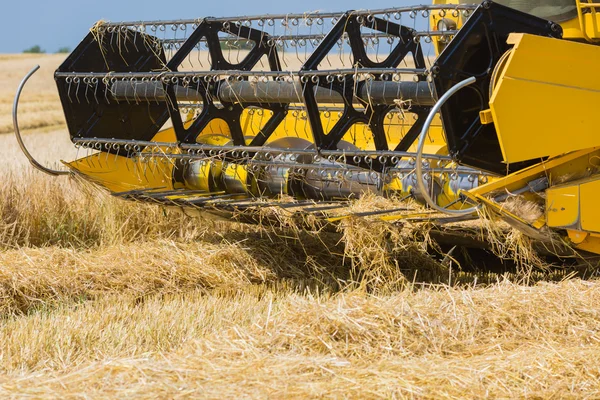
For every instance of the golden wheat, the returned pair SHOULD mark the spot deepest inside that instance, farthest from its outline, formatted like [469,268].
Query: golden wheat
[105,298]
[502,341]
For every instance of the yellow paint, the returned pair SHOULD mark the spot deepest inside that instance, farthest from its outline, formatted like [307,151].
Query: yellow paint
[449,196]
[577,237]
[590,212]
[586,24]
[575,205]
[193,196]
[538,80]
[562,206]
[485,117]
[122,174]
[165,136]
[216,125]
[238,173]
[584,241]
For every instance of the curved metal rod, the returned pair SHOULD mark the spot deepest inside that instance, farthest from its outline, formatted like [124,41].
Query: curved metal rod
[32,160]
[423,135]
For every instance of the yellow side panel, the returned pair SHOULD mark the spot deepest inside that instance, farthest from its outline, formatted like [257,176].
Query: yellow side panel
[542,77]
[562,206]
[574,206]
[122,174]
[590,211]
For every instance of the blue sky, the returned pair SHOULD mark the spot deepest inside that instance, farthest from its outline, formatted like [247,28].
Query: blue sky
[54,24]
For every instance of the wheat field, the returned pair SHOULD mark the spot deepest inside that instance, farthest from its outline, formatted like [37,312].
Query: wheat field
[102,298]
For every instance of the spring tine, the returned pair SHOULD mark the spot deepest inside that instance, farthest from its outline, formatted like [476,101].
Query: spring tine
[105,82]
[112,38]
[77,89]
[69,82]
[135,35]
[135,92]
[127,161]
[154,171]
[125,40]
[155,89]
[145,162]
[87,157]
[86,82]
[199,55]
[96,84]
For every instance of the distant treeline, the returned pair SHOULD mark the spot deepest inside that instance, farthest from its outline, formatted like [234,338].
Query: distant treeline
[38,50]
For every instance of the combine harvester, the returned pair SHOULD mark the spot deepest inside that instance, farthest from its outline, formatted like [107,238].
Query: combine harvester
[460,107]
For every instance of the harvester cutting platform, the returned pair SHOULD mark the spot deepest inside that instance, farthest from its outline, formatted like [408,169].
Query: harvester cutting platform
[458,106]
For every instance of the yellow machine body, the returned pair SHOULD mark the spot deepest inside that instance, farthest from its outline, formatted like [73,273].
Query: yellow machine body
[540,76]
[543,105]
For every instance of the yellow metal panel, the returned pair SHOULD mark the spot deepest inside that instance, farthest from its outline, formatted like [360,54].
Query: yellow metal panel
[542,76]
[122,174]
[585,27]
[590,212]
[485,117]
[562,206]
[568,164]
[585,241]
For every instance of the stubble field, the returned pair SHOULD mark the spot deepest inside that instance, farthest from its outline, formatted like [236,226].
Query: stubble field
[101,298]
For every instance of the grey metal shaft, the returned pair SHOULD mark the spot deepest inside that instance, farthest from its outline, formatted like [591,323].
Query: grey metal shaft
[374,92]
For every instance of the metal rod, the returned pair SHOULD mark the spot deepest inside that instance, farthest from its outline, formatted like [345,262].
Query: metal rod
[15,109]
[271,92]
[419,162]
[325,153]
[164,75]
[313,36]
[90,142]
[299,16]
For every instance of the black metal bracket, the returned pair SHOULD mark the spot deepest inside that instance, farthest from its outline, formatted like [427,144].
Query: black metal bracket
[373,116]
[88,111]
[474,51]
[230,113]
[409,138]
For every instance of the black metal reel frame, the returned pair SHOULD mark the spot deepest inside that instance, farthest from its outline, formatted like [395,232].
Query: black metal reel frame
[474,51]
[230,113]
[94,115]
[374,116]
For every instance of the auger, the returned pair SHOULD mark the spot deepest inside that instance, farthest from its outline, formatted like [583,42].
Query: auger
[457,106]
